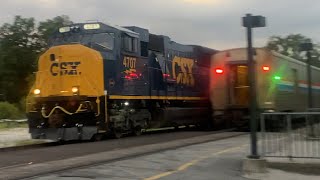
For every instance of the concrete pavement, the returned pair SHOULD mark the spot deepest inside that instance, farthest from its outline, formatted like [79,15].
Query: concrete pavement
[220,159]
[217,160]
[214,160]
[31,169]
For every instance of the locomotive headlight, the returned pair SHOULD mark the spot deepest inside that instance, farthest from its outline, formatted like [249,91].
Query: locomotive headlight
[126,103]
[75,90]
[36,91]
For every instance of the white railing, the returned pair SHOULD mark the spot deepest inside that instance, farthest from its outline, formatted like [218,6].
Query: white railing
[293,135]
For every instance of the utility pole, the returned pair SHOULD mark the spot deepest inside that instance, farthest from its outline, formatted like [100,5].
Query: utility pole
[310,102]
[250,22]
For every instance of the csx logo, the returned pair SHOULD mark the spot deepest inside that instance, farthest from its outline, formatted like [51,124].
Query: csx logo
[184,75]
[65,68]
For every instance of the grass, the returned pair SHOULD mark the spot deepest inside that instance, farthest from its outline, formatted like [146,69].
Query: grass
[10,125]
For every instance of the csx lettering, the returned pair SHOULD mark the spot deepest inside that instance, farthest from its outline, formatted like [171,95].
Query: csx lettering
[184,76]
[64,68]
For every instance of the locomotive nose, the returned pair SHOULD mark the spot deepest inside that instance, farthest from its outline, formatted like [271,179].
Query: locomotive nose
[70,70]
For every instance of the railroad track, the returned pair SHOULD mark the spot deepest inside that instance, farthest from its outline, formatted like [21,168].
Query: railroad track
[38,153]
[145,132]
[48,144]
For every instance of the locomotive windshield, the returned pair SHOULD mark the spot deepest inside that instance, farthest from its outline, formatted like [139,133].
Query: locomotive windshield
[103,40]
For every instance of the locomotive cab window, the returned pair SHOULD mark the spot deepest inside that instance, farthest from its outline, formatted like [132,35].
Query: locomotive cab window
[105,40]
[130,44]
[102,40]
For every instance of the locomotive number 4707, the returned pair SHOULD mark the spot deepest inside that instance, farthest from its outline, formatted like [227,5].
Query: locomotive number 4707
[129,62]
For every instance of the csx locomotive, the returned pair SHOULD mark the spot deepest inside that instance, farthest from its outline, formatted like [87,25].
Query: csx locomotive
[98,79]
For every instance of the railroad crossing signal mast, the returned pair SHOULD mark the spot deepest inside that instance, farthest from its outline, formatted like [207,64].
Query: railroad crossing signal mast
[308,47]
[250,22]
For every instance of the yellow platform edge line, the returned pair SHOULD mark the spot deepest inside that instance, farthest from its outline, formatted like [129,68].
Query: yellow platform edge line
[157,97]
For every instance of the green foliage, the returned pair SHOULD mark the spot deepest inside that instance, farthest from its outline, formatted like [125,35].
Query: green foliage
[21,43]
[47,27]
[7,125]
[290,46]
[9,111]
[21,105]
[19,51]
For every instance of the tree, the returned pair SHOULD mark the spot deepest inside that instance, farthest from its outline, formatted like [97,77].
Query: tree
[46,28]
[290,46]
[21,43]
[19,48]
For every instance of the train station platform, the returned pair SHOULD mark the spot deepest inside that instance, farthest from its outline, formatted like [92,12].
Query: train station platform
[215,160]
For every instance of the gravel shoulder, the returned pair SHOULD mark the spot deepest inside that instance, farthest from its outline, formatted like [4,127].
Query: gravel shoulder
[16,137]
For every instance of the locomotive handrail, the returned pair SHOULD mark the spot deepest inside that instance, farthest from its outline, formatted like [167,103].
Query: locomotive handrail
[62,109]
[98,106]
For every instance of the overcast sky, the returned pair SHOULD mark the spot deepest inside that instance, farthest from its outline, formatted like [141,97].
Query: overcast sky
[212,23]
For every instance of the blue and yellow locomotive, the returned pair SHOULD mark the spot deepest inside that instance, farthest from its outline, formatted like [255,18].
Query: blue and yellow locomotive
[97,78]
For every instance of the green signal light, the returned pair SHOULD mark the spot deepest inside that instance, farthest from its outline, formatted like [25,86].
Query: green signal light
[277,77]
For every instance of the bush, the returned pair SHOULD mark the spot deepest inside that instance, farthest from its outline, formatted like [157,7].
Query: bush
[9,111]
[21,105]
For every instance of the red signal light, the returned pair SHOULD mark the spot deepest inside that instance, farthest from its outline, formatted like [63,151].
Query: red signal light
[131,76]
[219,71]
[265,68]
[127,77]
[166,75]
